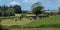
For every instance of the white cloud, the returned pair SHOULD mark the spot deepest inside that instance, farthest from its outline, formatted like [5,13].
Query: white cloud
[30,1]
[14,3]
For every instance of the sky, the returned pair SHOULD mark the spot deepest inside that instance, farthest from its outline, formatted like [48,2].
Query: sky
[27,4]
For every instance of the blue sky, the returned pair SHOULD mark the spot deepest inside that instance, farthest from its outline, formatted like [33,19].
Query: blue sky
[26,4]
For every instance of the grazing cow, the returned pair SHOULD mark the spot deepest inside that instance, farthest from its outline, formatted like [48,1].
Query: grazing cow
[21,17]
[15,19]
[30,18]
[43,16]
[34,17]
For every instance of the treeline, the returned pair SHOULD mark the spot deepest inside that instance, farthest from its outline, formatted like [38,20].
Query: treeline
[36,9]
[10,11]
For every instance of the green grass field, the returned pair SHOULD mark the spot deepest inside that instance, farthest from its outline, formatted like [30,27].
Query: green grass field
[38,29]
[46,21]
[10,22]
[53,21]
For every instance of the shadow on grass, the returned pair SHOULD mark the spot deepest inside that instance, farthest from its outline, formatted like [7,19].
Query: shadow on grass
[40,26]
[21,26]
[50,26]
[3,28]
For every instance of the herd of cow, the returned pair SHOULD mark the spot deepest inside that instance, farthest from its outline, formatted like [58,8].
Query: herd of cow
[28,17]
[33,17]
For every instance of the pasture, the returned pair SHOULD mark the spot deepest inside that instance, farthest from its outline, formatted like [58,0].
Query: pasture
[37,29]
[48,23]
[10,22]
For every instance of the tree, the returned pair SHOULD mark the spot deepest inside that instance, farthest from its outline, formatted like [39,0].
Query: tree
[0,11]
[17,9]
[25,11]
[3,9]
[0,8]
[37,8]
[59,11]
[6,11]
[10,12]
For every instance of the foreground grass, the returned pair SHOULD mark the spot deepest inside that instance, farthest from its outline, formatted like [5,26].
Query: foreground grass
[49,21]
[11,22]
[42,29]
[37,29]
[28,22]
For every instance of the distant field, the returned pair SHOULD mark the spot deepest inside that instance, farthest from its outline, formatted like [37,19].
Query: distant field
[26,14]
[17,14]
